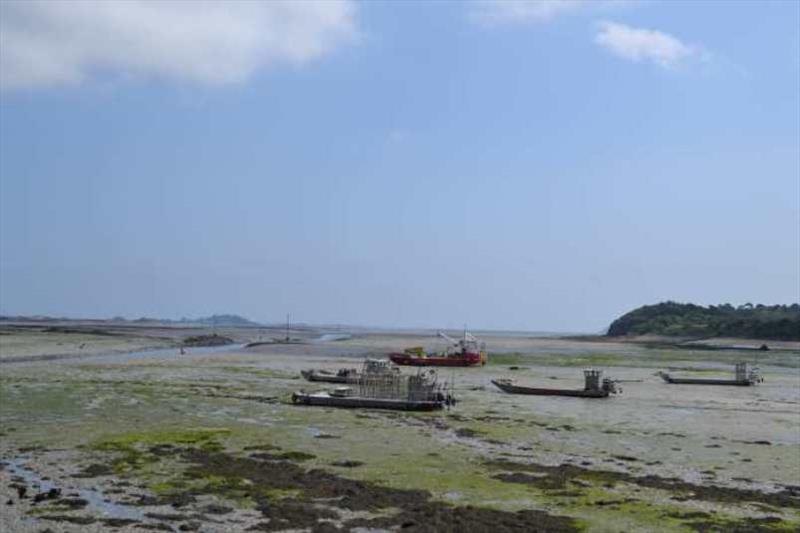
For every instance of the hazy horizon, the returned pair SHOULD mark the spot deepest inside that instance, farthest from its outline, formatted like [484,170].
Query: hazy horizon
[545,167]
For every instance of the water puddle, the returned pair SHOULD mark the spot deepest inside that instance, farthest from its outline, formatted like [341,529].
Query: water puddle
[125,357]
[98,503]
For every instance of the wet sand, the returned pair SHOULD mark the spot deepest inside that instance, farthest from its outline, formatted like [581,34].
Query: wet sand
[198,442]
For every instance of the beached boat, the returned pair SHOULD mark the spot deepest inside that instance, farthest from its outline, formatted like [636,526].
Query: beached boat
[464,352]
[349,398]
[344,375]
[595,387]
[744,377]
[384,390]
[349,375]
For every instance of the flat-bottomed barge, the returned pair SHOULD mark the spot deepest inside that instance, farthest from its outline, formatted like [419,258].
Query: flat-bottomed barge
[379,386]
[744,377]
[332,399]
[595,387]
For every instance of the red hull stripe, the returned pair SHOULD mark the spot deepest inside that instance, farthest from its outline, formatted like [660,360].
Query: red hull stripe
[462,360]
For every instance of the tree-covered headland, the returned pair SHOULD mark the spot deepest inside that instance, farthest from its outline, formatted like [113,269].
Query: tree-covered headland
[773,322]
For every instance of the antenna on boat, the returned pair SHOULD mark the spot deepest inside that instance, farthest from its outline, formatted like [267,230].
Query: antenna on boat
[451,394]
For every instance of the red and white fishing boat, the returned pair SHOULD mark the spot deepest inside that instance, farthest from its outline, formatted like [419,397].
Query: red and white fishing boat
[467,351]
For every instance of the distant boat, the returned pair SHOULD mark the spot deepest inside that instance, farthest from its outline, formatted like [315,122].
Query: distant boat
[595,387]
[464,352]
[744,377]
[349,375]
[345,375]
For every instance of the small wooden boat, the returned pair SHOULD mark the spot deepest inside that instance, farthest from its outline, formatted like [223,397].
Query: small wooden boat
[594,388]
[744,377]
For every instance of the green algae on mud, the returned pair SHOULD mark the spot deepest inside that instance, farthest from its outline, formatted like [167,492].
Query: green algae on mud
[555,480]
[418,511]
[289,495]
[135,421]
[552,477]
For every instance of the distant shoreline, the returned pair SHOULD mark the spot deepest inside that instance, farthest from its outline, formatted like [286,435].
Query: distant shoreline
[693,343]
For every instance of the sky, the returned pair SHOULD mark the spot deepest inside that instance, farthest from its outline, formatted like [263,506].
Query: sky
[541,166]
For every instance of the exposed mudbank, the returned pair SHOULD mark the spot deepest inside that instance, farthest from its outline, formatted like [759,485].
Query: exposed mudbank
[207,340]
[558,477]
[29,485]
[258,476]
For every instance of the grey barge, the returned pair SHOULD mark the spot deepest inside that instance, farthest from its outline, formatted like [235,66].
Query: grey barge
[381,386]
[346,398]
[349,375]
[744,377]
[595,387]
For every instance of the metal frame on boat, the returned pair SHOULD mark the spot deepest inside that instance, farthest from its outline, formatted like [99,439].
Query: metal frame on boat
[349,375]
[379,386]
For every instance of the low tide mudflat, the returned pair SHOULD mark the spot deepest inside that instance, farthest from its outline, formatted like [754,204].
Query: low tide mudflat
[209,441]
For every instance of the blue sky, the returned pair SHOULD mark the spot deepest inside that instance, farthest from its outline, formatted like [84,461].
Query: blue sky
[541,166]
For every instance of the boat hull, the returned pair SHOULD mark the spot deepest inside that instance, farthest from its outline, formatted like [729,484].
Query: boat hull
[354,402]
[459,360]
[533,391]
[693,381]
[311,375]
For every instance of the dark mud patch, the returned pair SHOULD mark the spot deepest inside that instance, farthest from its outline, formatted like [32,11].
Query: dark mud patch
[468,433]
[173,499]
[294,514]
[217,509]
[284,456]
[260,478]
[543,482]
[260,447]
[613,503]
[86,520]
[156,527]
[692,515]
[79,520]
[207,340]
[431,517]
[168,517]
[347,463]
[557,477]
[769,524]
[95,470]
[162,450]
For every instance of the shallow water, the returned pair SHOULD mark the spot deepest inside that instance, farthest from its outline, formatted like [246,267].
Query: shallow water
[97,501]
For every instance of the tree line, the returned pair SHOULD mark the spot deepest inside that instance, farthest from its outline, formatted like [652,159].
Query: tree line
[773,322]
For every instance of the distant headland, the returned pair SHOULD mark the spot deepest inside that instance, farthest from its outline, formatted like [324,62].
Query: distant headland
[672,319]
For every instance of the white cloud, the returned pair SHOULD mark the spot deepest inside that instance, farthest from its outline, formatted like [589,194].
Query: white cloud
[50,43]
[640,44]
[498,12]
